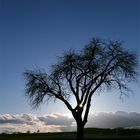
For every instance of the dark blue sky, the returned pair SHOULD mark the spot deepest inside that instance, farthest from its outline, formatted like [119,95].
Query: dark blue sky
[34,32]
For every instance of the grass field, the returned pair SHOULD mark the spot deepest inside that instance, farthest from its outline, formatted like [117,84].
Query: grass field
[90,134]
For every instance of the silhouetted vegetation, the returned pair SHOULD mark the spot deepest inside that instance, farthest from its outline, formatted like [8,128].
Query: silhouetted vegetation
[99,65]
[115,131]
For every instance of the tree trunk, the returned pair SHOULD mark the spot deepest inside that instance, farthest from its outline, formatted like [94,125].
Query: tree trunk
[80,131]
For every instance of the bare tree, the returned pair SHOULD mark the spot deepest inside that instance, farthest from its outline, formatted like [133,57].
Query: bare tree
[100,65]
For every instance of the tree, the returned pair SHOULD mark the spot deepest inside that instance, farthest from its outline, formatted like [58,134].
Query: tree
[100,65]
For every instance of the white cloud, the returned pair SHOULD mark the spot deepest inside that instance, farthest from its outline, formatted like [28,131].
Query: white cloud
[112,120]
[62,122]
[56,119]
[23,122]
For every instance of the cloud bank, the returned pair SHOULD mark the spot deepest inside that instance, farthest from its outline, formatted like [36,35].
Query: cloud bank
[63,122]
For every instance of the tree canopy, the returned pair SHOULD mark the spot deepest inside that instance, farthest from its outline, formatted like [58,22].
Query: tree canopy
[100,65]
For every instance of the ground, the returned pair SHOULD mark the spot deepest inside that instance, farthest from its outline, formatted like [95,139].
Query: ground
[90,133]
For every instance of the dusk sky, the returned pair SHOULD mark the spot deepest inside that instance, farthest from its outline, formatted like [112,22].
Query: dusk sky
[34,32]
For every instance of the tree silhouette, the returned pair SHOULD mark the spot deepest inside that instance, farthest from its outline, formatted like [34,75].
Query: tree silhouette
[100,65]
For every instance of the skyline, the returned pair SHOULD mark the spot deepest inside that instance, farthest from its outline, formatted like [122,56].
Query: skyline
[33,33]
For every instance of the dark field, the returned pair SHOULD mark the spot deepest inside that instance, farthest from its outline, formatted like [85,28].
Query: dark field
[90,134]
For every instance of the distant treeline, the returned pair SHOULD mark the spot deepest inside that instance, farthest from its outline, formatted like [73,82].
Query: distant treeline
[115,131]
[96,131]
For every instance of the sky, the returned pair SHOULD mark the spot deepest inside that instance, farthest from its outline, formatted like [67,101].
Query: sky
[34,32]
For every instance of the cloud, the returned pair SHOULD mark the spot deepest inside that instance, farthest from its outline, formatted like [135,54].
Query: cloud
[48,123]
[18,119]
[57,119]
[113,120]
[63,122]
